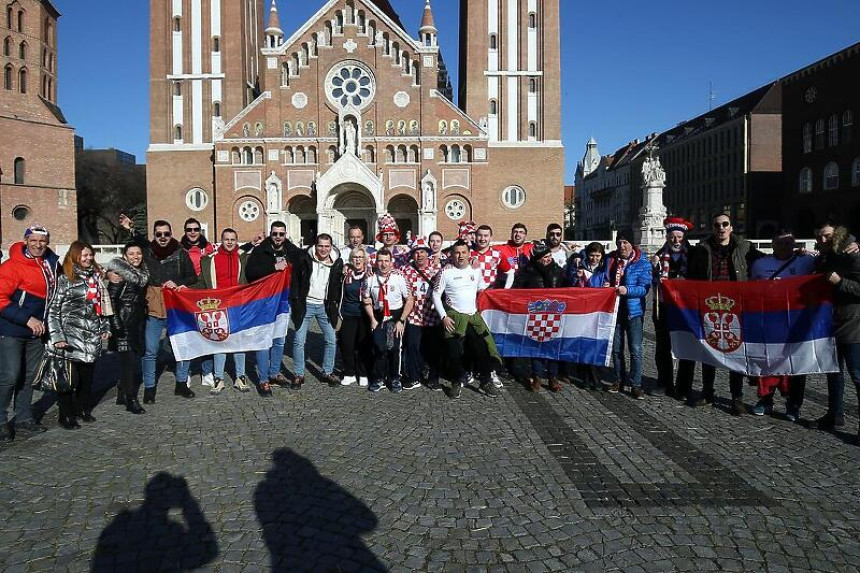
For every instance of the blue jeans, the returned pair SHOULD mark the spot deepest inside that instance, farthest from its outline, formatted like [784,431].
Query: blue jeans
[630,329]
[152,340]
[543,368]
[15,385]
[316,311]
[221,361]
[269,360]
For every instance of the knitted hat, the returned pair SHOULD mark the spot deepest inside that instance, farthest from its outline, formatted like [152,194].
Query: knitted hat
[677,224]
[419,243]
[625,235]
[36,230]
[540,250]
[466,228]
[386,223]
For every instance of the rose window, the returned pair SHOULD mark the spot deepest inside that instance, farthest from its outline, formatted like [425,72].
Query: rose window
[455,209]
[350,83]
[249,211]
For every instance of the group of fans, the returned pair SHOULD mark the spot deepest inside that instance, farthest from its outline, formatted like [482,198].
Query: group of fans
[403,315]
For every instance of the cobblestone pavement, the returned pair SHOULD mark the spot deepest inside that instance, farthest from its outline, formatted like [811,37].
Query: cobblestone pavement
[339,477]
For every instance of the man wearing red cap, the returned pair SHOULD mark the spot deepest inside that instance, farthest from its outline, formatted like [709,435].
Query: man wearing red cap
[670,262]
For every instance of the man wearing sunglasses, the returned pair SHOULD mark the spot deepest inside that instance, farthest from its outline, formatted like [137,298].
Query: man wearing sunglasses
[169,267]
[559,250]
[722,257]
[268,258]
[198,247]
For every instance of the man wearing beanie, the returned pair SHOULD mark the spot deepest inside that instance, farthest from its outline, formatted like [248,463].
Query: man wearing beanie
[629,273]
[670,263]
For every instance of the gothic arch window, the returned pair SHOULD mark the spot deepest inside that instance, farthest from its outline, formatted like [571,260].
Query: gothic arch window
[328,33]
[804,183]
[831,176]
[21,21]
[413,154]
[177,133]
[235,156]
[288,155]
[401,154]
[338,18]
[300,154]
[312,154]
[20,169]
[494,42]
[494,107]
[177,24]
[350,12]
[847,125]
[807,137]
[247,156]
[10,15]
[22,50]
[306,52]
[389,154]
[369,155]
[467,153]
[7,46]
[386,43]
[444,152]
[331,153]
[833,131]
[216,44]
[8,75]
[258,155]
[285,74]
[22,80]
[455,154]
[819,134]
[362,22]
[371,32]
[395,47]
[216,109]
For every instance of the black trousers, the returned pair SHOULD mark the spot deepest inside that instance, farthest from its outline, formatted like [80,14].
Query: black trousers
[386,361]
[129,372]
[663,358]
[79,400]
[354,339]
[457,347]
[423,345]
[736,382]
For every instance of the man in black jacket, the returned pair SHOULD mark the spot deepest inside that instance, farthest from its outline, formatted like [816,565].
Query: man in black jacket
[315,290]
[722,257]
[267,258]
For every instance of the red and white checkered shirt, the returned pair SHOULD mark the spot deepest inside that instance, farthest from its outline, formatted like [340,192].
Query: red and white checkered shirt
[401,255]
[423,313]
[488,264]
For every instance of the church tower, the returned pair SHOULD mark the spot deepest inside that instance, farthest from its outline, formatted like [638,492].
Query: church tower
[205,67]
[510,68]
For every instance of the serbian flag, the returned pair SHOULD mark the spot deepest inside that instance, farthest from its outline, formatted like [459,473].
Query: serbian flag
[569,324]
[760,328]
[235,319]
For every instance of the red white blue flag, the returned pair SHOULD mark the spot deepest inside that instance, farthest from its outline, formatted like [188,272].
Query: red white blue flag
[759,328]
[570,324]
[235,319]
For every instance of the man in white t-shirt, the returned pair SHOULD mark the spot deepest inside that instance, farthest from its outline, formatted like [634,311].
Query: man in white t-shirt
[459,284]
[387,302]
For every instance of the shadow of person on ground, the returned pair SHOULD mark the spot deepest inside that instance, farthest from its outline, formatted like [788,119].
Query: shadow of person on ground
[147,539]
[309,522]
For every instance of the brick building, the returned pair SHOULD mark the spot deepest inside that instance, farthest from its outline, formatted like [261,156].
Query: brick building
[37,153]
[820,151]
[351,117]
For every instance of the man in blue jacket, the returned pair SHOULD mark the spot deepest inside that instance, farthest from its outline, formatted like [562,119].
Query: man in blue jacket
[629,273]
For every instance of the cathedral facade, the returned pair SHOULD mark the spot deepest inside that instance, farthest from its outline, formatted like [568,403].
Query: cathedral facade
[351,117]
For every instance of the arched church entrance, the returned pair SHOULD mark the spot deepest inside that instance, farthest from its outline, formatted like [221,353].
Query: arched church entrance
[353,205]
[404,209]
[302,219]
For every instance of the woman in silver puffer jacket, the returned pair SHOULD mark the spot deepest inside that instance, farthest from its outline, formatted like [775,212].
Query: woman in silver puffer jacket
[77,326]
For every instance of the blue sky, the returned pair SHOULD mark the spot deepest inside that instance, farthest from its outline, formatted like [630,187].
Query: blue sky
[628,68]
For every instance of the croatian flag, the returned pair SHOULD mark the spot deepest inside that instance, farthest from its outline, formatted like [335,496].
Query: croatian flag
[570,324]
[235,319]
[760,328]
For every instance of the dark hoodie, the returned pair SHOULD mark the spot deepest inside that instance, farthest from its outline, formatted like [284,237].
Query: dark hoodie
[846,294]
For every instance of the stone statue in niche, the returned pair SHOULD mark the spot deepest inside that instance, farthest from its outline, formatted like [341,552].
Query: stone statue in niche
[300,129]
[389,127]
[332,128]
[258,130]
[246,130]
[443,127]
[429,199]
[455,127]
[288,129]
[401,128]
[272,198]
[349,137]
[368,129]
[413,127]
[312,129]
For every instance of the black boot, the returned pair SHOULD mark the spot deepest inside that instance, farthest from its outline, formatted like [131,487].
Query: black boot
[183,390]
[149,395]
[132,405]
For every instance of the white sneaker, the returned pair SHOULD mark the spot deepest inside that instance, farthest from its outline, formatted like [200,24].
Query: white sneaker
[208,380]
[497,382]
[362,381]
[470,380]
[347,380]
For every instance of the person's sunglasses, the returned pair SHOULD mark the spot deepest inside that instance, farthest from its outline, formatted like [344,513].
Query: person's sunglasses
[555,233]
[274,234]
[722,224]
[192,229]
[161,234]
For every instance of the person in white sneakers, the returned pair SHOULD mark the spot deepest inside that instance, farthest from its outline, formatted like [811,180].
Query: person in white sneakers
[354,333]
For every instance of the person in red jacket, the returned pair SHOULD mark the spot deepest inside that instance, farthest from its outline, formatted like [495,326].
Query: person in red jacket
[195,243]
[515,253]
[27,281]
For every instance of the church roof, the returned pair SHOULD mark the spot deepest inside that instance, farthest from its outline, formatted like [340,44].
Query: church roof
[427,19]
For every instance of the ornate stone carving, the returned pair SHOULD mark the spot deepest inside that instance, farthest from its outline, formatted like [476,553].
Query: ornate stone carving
[402,99]
[300,100]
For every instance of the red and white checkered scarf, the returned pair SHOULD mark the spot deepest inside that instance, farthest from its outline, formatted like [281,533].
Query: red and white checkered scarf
[665,254]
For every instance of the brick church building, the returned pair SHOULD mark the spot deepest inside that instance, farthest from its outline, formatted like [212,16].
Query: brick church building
[352,117]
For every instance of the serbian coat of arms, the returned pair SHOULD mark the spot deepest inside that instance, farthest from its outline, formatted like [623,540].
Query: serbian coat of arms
[544,319]
[722,327]
[212,320]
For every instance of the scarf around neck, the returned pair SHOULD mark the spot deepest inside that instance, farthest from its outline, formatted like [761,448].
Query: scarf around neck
[160,253]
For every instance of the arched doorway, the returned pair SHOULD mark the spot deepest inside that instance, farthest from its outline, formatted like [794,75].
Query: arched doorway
[354,206]
[404,209]
[303,219]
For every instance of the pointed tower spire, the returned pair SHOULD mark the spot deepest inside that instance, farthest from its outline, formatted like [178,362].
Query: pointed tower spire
[274,34]
[428,30]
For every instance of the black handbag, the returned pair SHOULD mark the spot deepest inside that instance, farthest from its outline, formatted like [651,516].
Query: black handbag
[53,374]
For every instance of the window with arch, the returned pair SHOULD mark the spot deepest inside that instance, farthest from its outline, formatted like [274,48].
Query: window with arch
[177,24]
[22,81]
[494,107]
[455,154]
[21,21]
[413,154]
[847,126]
[196,199]
[7,46]
[855,172]
[532,86]
[8,77]
[831,176]
[10,16]
[216,109]
[22,50]
[819,134]
[258,156]
[177,88]
[235,156]
[177,133]
[339,22]
[288,155]
[312,154]
[389,154]
[833,131]
[444,152]
[216,44]
[369,155]
[532,20]
[248,156]
[401,154]
[513,197]
[494,42]
[300,154]
[807,137]
[532,130]
[19,166]
[49,32]
[467,153]
[804,182]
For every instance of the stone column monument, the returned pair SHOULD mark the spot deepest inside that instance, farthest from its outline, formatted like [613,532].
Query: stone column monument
[650,233]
